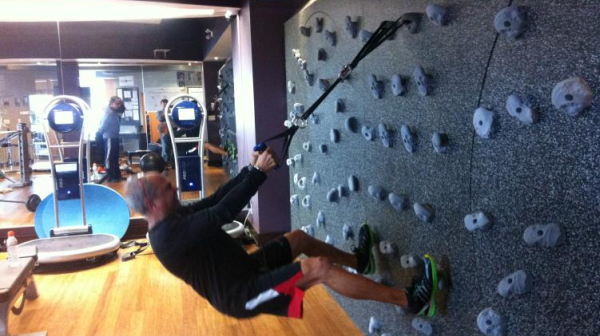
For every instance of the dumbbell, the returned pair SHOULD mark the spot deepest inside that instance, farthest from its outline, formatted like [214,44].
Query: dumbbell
[31,203]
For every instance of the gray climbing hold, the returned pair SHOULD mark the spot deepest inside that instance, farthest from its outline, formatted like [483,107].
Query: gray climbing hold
[320,219]
[424,212]
[306,201]
[294,200]
[399,202]
[408,138]
[334,135]
[314,118]
[333,195]
[347,232]
[323,148]
[353,183]
[329,240]
[376,86]
[368,132]
[422,80]
[510,21]
[331,37]
[309,229]
[302,183]
[477,221]
[306,146]
[324,84]
[483,121]
[421,325]
[440,142]
[517,283]
[298,108]
[491,323]
[305,31]
[290,162]
[410,261]
[302,64]
[374,325]
[339,105]
[437,14]
[321,54]
[291,87]
[549,235]
[398,87]
[522,109]
[351,27]
[342,191]
[572,96]
[351,125]
[298,158]
[316,179]
[309,78]
[377,192]
[296,53]
[319,24]
[384,135]
[387,247]
[365,35]
[413,21]
[296,178]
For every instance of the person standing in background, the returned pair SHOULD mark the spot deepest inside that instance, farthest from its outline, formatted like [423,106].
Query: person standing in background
[109,128]
[163,131]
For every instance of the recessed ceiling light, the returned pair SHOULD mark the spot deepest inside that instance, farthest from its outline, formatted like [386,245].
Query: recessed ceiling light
[216,58]
[190,64]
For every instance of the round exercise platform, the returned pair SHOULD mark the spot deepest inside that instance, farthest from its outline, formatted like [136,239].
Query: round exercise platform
[73,248]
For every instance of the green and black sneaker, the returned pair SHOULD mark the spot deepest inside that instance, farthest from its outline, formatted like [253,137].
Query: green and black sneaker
[364,254]
[421,295]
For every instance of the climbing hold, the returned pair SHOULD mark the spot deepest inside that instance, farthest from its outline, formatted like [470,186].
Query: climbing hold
[353,183]
[320,219]
[339,106]
[549,235]
[377,192]
[483,121]
[314,118]
[408,138]
[342,191]
[572,96]
[333,195]
[319,24]
[334,135]
[368,132]
[323,148]
[384,135]
[437,14]
[347,232]
[477,220]
[331,37]
[521,109]
[291,87]
[316,179]
[414,22]
[424,212]
[298,108]
[490,322]
[399,202]
[302,183]
[409,261]
[351,125]
[376,86]
[422,80]
[321,55]
[374,325]
[510,21]
[365,35]
[306,201]
[302,64]
[305,31]
[289,162]
[517,283]
[298,158]
[296,53]
[309,229]
[306,146]
[387,247]
[329,240]
[421,325]
[294,200]
[309,78]
[351,27]
[296,178]
[324,84]
[398,87]
[440,142]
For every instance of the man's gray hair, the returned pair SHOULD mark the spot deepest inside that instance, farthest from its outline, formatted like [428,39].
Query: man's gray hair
[137,191]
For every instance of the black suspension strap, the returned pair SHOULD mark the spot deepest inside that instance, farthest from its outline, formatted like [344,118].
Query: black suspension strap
[385,30]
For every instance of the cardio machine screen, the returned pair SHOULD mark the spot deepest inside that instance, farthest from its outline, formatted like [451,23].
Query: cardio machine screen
[186,114]
[66,167]
[63,117]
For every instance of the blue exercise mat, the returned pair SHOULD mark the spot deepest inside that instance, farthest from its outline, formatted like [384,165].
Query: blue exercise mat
[105,209]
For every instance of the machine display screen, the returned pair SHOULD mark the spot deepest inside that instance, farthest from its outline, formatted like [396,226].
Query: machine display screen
[66,167]
[187,114]
[63,117]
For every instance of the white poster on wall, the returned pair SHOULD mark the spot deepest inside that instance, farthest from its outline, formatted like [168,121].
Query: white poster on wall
[126,81]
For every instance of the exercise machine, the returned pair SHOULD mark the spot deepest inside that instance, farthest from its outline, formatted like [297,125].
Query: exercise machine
[22,135]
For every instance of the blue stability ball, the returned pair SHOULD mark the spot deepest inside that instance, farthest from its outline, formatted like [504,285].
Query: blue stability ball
[64,118]
[186,115]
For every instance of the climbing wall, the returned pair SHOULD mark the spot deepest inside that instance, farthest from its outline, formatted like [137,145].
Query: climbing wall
[227,117]
[507,201]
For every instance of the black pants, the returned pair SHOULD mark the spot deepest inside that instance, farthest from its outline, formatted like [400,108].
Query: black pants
[111,158]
